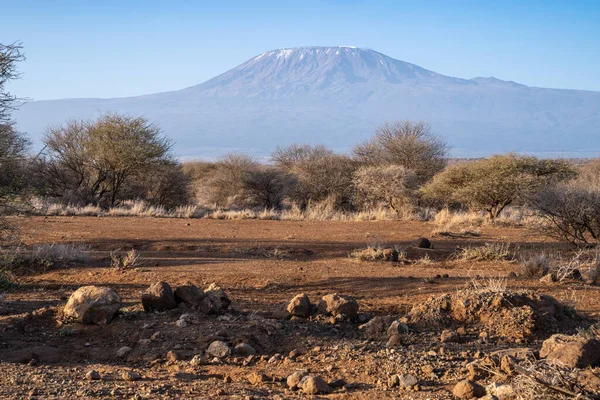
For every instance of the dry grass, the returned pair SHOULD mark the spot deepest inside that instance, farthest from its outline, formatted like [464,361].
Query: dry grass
[423,261]
[488,285]
[18,261]
[487,252]
[511,217]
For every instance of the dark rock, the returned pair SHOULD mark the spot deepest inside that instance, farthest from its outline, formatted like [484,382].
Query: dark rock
[159,297]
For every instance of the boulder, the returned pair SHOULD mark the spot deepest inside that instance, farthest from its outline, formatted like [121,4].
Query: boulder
[467,389]
[299,306]
[216,300]
[159,297]
[189,294]
[312,384]
[571,351]
[338,304]
[92,305]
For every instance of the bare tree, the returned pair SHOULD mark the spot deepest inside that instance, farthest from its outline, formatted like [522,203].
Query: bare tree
[320,174]
[224,184]
[10,55]
[411,145]
[267,186]
[290,157]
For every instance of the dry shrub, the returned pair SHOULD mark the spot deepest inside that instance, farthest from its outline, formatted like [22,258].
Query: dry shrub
[571,210]
[536,265]
[131,259]
[378,253]
[487,252]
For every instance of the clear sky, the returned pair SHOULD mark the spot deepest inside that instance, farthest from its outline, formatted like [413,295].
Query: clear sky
[114,48]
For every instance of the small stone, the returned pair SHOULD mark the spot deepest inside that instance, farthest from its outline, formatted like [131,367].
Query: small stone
[130,376]
[244,349]
[294,354]
[407,381]
[123,351]
[156,336]
[312,384]
[198,360]
[423,243]
[219,349]
[397,328]
[467,389]
[449,336]
[172,356]
[501,391]
[92,375]
[294,379]
[227,379]
[181,323]
[274,359]
[256,379]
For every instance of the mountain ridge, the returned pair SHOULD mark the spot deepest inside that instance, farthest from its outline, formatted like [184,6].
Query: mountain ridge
[337,96]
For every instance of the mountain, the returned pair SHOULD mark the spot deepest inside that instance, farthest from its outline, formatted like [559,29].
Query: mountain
[337,96]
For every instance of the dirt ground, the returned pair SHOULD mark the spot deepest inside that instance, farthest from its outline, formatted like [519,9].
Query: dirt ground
[260,264]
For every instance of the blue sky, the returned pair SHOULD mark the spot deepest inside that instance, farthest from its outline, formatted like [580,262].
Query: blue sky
[123,48]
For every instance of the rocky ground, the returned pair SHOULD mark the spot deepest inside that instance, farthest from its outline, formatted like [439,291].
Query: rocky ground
[290,315]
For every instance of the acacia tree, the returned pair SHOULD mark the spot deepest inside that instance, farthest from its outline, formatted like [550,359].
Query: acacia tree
[494,183]
[411,145]
[92,161]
